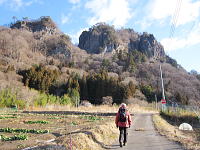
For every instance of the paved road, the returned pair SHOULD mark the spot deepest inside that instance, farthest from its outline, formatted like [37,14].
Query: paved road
[149,139]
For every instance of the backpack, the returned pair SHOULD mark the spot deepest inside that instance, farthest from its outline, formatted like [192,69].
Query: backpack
[122,115]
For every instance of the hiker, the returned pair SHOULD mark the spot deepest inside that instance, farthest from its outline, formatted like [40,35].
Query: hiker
[123,121]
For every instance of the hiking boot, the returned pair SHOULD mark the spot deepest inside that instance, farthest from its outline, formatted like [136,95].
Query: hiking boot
[120,144]
[124,144]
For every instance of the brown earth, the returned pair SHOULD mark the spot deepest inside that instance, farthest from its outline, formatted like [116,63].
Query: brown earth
[60,125]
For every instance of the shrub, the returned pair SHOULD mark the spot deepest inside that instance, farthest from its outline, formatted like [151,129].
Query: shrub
[147,90]
[65,100]
[39,77]
[9,99]
[107,100]
[41,100]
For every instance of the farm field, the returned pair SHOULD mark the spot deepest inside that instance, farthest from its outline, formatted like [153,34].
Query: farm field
[20,130]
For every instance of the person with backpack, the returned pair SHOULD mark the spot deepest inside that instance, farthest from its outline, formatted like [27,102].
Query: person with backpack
[123,121]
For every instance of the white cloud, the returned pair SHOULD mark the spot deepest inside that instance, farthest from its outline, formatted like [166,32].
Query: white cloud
[64,19]
[75,36]
[116,12]
[17,4]
[74,1]
[175,43]
[162,9]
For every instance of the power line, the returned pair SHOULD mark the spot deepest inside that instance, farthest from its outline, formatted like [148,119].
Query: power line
[190,30]
[175,18]
[174,21]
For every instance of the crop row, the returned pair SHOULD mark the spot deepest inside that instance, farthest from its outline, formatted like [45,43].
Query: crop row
[13,138]
[1,117]
[38,122]
[55,118]
[91,118]
[12,130]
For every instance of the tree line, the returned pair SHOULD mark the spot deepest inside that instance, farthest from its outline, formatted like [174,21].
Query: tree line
[92,87]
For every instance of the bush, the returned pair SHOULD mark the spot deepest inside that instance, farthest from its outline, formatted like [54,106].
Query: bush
[9,99]
[107,100]
[147,90]
[41,100]
[65,100]
[39,77]
[21,104]
[44,99]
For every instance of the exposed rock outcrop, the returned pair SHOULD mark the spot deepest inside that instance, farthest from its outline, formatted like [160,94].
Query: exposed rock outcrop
[99,39]
[42,24]
[103,38]
[147,44]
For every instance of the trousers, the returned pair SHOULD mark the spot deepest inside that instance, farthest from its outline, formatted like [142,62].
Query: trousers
[123,136]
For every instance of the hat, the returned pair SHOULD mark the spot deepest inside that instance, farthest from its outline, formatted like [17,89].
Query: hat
[123,105]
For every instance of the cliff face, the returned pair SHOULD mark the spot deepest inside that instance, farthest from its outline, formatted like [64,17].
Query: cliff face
[103,38]
[147,44]
[42,24]
[100,38]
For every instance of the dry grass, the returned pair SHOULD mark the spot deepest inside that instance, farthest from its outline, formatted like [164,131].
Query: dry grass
[134,108]
[98,138]
[187,139]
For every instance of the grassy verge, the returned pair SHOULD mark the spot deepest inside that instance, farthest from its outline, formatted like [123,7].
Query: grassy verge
[187,138]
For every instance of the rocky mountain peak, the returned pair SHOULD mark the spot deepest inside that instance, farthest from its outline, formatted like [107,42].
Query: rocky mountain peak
[103,38]
[100,38]
[147,44]
[44,23]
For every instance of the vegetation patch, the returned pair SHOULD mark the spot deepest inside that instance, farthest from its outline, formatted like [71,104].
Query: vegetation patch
[74,123]
[1,117]
[54,118]
[176,117]
[9,99]
[12,130]
[91,118]
[38,122]
[14,138]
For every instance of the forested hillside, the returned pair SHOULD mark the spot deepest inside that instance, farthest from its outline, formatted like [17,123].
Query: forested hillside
[39,65]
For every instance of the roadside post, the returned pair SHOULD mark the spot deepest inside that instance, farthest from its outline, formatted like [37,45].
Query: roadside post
[156,102]
[163,101]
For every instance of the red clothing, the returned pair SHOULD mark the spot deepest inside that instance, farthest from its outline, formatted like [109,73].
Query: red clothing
[123,124]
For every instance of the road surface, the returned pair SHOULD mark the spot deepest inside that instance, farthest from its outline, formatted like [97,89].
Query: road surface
[148,139]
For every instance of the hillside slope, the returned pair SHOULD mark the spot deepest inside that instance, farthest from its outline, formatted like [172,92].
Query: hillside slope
[104,57]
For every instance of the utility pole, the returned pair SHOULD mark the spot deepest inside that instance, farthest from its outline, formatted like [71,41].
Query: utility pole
[163,90]
[156,102]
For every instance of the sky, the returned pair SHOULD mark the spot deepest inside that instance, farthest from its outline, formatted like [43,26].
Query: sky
[174,23]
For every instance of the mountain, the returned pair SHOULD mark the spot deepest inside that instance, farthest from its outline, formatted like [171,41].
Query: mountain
[120,63]
[102,38]
[45,24]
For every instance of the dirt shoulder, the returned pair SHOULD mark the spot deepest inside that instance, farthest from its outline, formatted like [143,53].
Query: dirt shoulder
[187,138]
